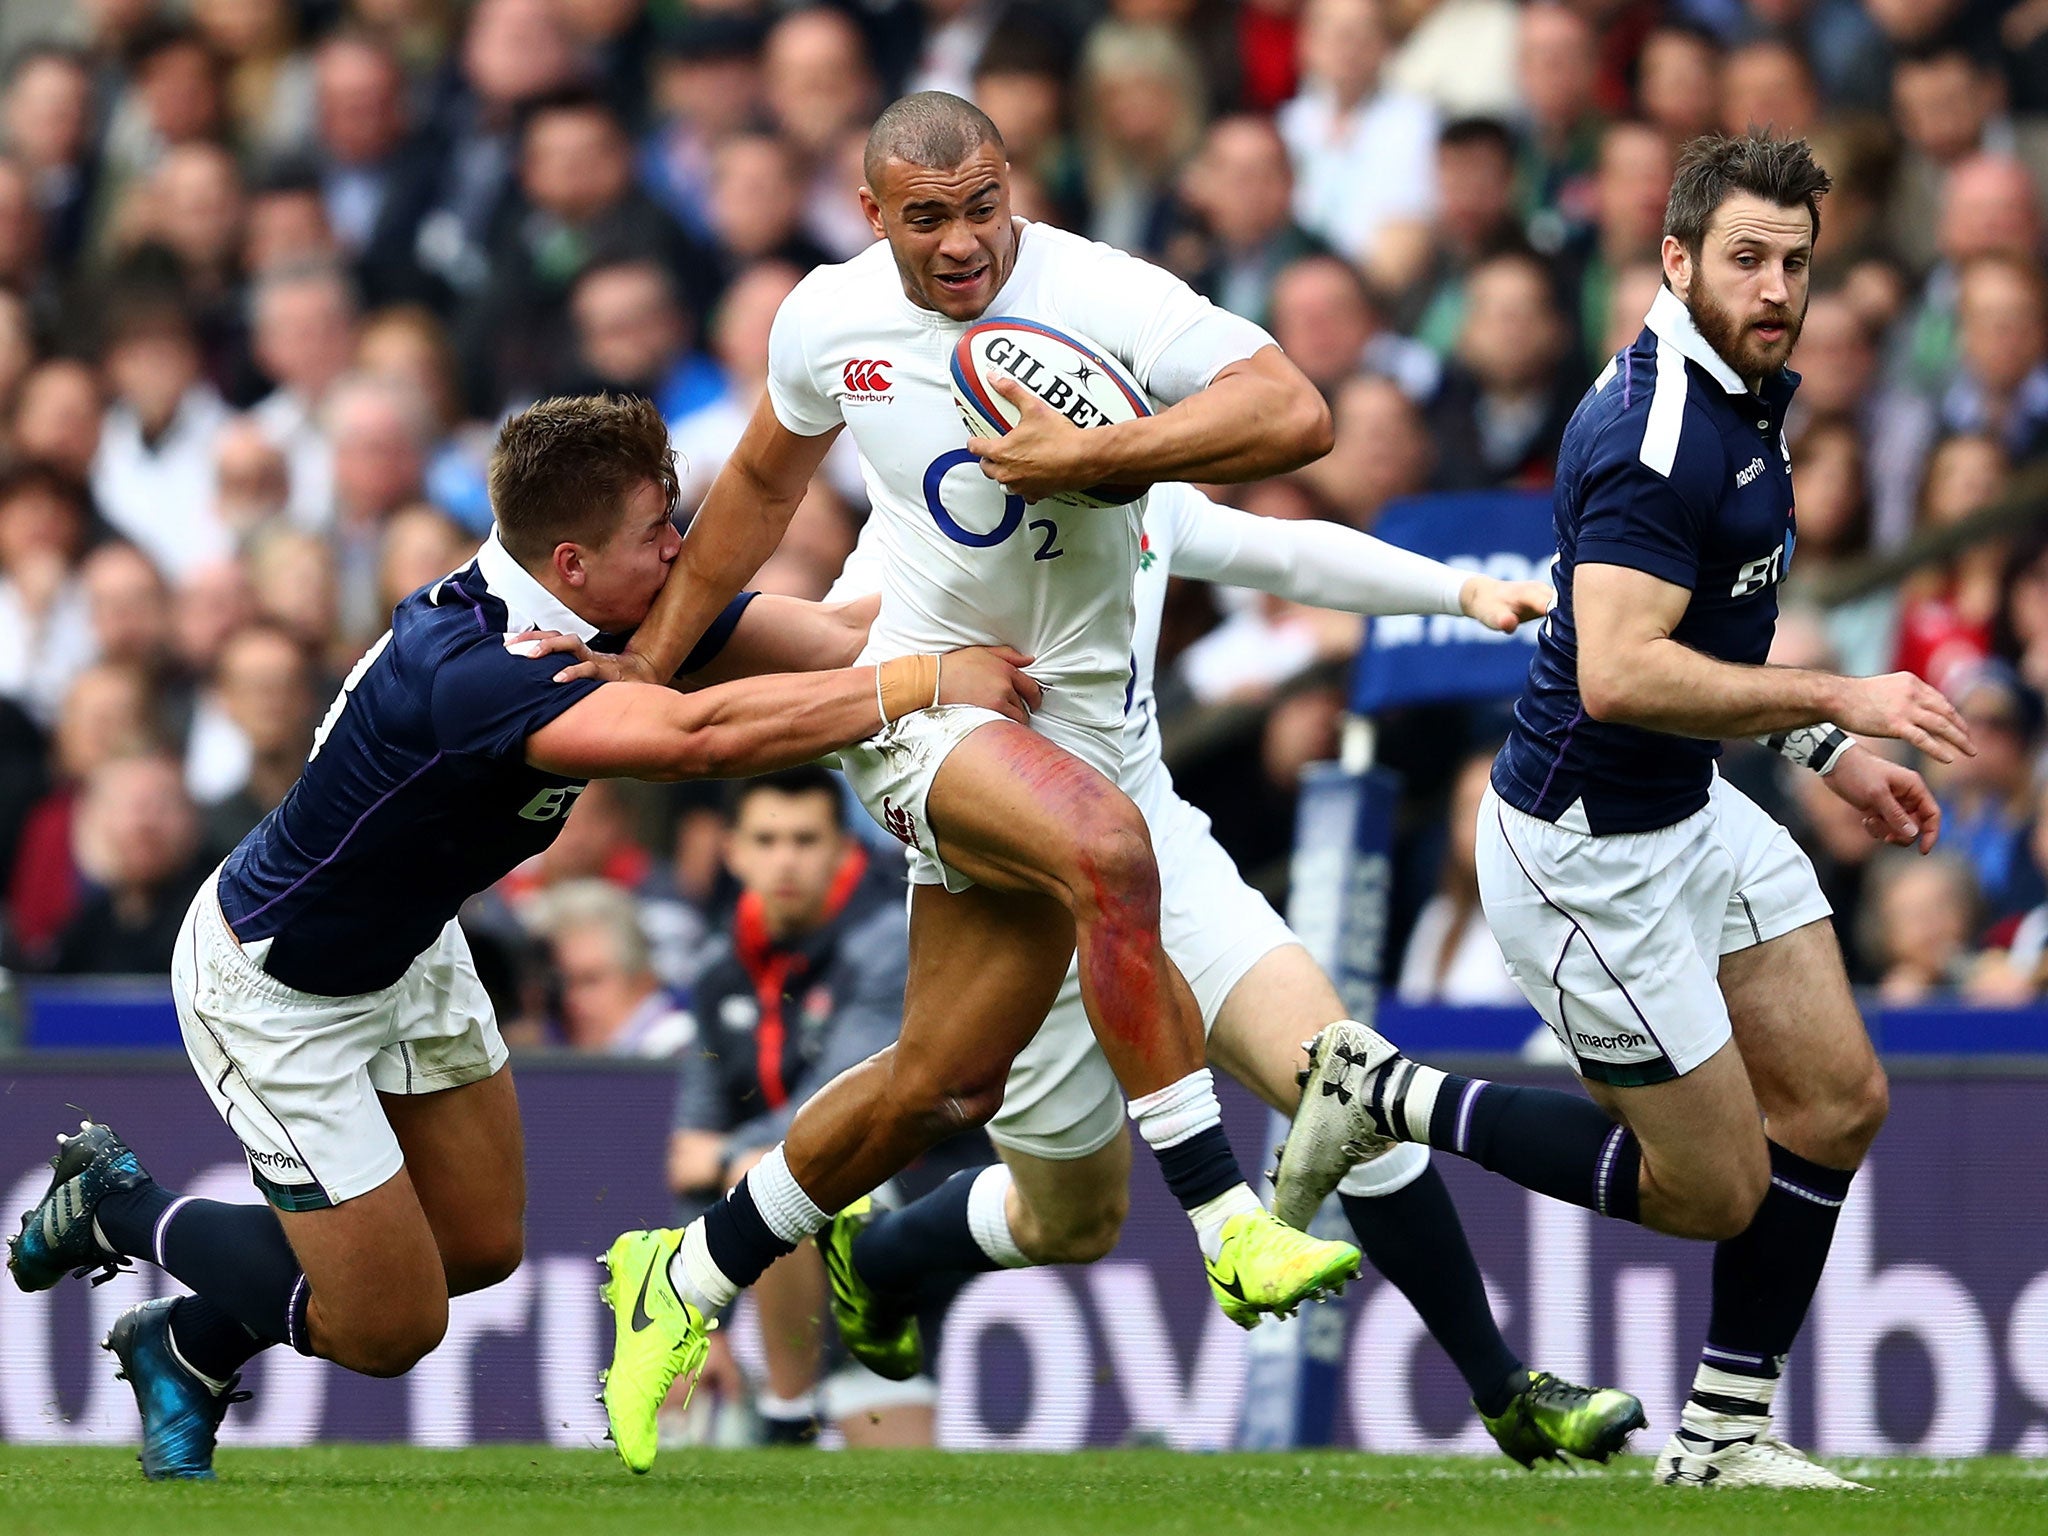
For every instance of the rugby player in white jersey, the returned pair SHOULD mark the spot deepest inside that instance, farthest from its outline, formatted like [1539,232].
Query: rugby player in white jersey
[1059,1194]
[1023,850]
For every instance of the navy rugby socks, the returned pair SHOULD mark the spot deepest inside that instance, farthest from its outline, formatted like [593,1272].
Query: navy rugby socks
[960,1228]
[1413,1237]
[1555,1143]
[725,1250]
[251,1292]
[1764,1282]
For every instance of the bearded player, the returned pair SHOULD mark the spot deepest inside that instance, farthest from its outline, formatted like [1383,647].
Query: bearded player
[1023,850]
[1671,934]
[1059,1193]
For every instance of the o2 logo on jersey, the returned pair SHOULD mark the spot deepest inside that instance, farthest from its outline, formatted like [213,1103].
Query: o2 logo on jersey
[1013,512]
[1758,574]
[551,803]
[867,381]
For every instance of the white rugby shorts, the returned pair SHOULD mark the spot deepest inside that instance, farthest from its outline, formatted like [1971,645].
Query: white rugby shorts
[1062,1101]
[892,772]
[296,1076]
[1617,940]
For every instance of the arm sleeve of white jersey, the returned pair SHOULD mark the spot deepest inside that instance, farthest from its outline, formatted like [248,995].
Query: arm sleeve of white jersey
[1169,336]
[1322,564]
[792,387]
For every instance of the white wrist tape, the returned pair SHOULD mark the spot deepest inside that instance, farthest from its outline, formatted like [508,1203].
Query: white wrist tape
[1818,747]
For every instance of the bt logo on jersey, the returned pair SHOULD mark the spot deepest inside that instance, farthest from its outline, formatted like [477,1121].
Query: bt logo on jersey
[550,803]
[867,382]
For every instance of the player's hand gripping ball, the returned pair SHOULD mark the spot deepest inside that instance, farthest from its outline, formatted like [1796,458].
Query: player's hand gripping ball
[1078,385]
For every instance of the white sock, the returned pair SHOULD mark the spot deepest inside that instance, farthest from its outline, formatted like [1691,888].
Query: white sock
[1418,1100]
[1179,1110]
[790,1213]
[696,1278]
[1210,1217]
[1717,1424]
[988,1216]
[803,1406]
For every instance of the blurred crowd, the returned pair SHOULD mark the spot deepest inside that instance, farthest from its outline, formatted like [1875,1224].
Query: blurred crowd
[271,271]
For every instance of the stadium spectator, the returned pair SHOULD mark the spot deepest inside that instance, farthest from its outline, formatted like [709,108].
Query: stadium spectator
[707,86]
[252,478]
[1475,217]
[1451,955]
[576,202]
[265,687]
[819,87]
[1240,188]
[1382,451]
[1326,320]
[2014,971]
[1363,151]
[45,624]
[56,416]
[1021,82]
[152,475]
[2000,384]
[1140,103]
[1506,396]
[1768,83]
[1987,800]
[1678,81]
[612,1004]
[46,124]
[269,82]
[421,544]
[373,178]
[1630,183]
[130,611]
[1460,54]
[304,334]
[1948,106]
[810,982]
[1557,67]
[140,843]
[379,429]
[756,205]
[1919,922]
[292,581]
[108,713]
[1830,486]
[1946,611]
[286,222]
[1841,384]
[22,266]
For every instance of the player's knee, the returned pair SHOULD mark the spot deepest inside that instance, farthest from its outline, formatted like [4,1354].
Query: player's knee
[487,1260]
[1860,1113]
[1725,1208]
[934,1104]
[397,1340]
[1116,875]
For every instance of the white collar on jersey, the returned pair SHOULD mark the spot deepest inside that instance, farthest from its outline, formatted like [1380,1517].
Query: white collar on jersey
[1672,322]
[528,604]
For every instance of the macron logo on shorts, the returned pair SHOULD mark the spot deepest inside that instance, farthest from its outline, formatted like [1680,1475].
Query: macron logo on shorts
[1626,1040]
[867,381]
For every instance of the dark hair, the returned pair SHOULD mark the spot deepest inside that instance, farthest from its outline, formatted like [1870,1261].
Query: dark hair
[560,468]
[573,99]
[929,128]
[154,39]
[804,779]
[43,51]
[1713,167]
[1477,133]
[1028,44]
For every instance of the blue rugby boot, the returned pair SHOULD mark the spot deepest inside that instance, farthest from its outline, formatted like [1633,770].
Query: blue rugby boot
[180,1413]
[58,1237]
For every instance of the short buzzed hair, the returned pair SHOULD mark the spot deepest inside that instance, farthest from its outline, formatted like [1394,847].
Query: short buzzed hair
[1714,167]
[928,128]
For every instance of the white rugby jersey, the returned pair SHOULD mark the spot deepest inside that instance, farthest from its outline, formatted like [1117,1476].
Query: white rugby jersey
[1184,533]
[960,562]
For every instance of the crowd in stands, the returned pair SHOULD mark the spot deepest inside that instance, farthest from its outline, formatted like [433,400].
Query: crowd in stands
[271,272]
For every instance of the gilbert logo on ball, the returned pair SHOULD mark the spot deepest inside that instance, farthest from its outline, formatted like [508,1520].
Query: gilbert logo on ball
[1072,375]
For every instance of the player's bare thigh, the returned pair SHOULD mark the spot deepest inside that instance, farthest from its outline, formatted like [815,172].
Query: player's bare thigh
[1282,1001]
[1705,1167]
[380,1267]
[1069,1210]
[1810,1059]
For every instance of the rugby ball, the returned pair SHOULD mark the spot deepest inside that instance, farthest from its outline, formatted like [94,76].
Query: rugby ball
[1076,378]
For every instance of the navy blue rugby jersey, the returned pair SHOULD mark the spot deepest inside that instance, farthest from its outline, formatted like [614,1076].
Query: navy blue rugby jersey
[417,794]
[1672,466]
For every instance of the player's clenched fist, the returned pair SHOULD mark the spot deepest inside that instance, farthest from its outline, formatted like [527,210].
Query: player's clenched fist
[1904,708]
[1043,455]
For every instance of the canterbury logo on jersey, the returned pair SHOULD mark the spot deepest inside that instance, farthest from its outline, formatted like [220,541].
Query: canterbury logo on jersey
[866,379]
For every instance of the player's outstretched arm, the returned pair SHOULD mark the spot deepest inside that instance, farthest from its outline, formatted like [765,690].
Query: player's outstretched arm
[1258,416]
[1632,671]
[640,731]
[1327,565]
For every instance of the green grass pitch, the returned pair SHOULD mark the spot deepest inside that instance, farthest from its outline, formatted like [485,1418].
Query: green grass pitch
[510,1491]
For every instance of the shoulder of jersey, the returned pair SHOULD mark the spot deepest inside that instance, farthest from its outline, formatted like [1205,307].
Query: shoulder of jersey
[1680,442]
